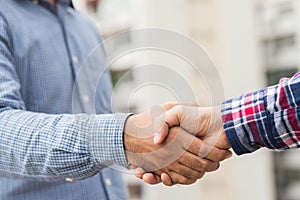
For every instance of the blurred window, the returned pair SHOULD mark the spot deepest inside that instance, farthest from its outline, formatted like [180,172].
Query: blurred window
[275,75]
[283,44]
[286,9]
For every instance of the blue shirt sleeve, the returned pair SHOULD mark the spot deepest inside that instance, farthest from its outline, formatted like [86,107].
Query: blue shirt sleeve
[51,147]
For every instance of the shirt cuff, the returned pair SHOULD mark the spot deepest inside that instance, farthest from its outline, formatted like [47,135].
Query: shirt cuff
[106,140]
[245,121]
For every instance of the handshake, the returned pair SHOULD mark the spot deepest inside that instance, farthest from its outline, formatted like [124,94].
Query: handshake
[175,143]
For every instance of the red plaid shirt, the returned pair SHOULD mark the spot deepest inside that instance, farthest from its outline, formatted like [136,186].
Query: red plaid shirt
[269,117]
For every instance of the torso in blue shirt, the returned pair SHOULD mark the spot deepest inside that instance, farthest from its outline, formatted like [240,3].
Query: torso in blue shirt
[44,45]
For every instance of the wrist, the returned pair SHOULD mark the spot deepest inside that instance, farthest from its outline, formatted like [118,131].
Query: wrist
[129,140]
[223,141]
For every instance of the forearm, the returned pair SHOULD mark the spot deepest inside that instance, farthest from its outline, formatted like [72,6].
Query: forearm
[264,118]
[55,147]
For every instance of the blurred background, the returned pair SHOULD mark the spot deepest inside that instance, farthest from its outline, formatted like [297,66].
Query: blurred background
[252,43]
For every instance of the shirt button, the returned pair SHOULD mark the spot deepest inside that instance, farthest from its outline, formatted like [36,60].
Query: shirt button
[75,59]
[69,179]
[35,2]
[86,99]
[108,182]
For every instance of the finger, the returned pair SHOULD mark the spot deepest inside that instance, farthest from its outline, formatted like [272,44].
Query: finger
[204,150]
[187,171]
[199,164]
[166,179]
[178,178]
[169,119]
[187,117]
[218,155]
[160,136]
[139,172]
[151,178]
[191,117]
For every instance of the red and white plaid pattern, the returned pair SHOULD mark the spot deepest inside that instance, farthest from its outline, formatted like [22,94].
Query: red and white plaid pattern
[265,118]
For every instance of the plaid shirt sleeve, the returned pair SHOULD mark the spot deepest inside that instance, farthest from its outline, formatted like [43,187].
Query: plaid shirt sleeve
[50,147]
[265,118]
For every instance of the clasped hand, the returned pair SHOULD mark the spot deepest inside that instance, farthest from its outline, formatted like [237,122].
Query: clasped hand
[175,143]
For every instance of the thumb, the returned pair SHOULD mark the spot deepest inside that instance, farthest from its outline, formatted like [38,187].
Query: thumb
[161,135]
[173,117]
[167,120]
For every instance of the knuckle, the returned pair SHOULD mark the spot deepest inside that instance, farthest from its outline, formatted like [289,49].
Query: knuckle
[192,174]
[217,166]
[197,175]
[173,177]
[204,166]
[174,130]
[198,167]
[177,109]
[189,181]
[196,163]
[183,180]
[222,155]
[201,176]
[193,181]
[167,105]
[177,178]
[185,173]
[167,183]
[217,155]
[214,166]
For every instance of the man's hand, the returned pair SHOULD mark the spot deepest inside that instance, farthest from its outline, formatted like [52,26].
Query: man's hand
[205,123]
[177,153]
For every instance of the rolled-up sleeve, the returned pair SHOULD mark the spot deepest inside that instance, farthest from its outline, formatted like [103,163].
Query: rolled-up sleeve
[265,118]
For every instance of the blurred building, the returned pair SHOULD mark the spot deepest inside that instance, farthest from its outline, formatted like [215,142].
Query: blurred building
[252,43]
[279,39]
[278,33]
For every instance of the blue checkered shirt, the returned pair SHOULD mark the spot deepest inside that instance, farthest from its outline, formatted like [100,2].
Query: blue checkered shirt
[47,151]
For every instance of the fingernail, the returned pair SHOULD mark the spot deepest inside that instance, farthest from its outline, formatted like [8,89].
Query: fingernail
[156,138]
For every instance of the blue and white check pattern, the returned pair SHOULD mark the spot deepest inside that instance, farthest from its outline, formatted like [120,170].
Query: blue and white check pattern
[42,143]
